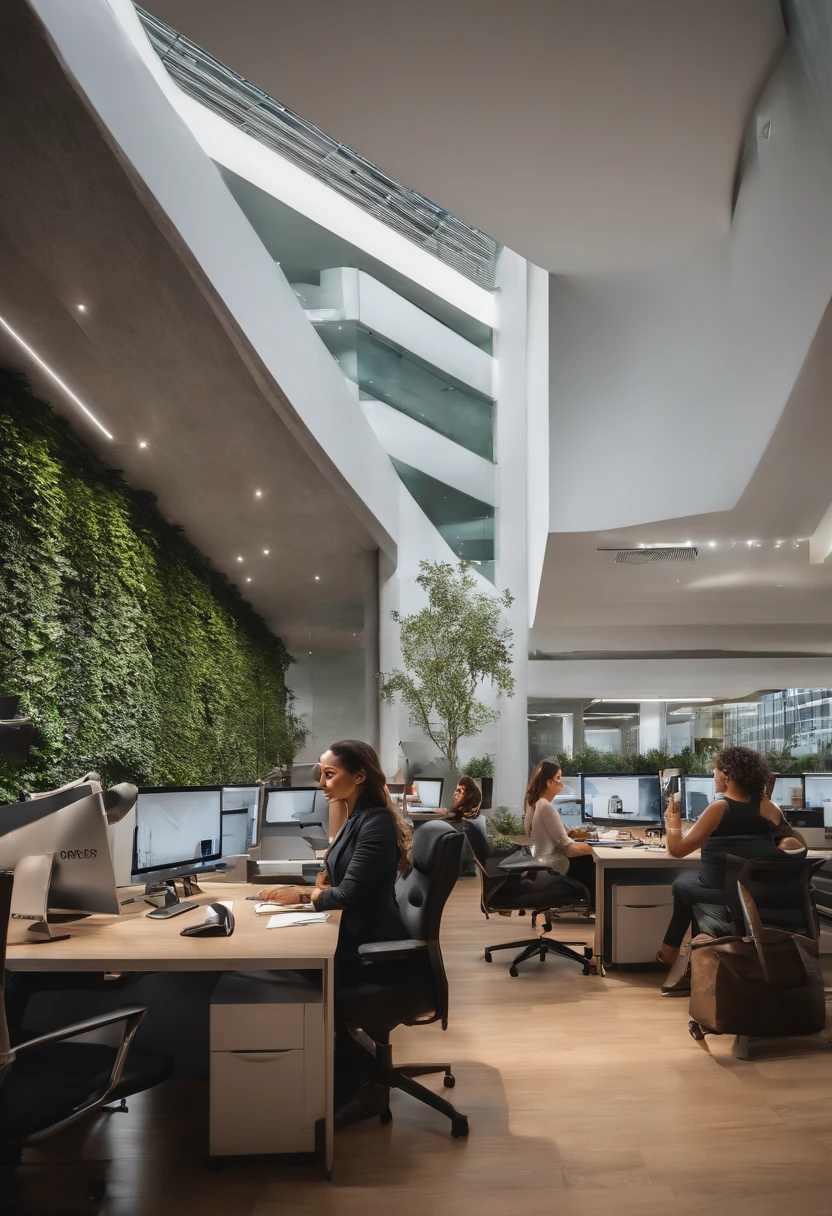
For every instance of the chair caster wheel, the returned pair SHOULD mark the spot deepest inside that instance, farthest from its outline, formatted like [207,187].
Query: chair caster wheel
[459,1128]
[487,956]
[96,1190]
[449,1080]
[513,971]
[386,1116]
[696,1031]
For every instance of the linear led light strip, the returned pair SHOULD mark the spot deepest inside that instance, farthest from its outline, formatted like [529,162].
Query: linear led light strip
[34,355]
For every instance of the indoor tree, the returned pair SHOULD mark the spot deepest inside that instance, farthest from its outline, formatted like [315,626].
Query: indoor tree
[452,646]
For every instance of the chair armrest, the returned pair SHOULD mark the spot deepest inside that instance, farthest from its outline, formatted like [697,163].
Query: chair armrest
[516,865]
[389,952]
[132,1014]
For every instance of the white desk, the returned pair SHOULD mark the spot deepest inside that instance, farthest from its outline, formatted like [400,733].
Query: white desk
[132,942]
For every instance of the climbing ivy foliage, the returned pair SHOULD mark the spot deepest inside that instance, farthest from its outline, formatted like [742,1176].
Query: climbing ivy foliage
[132,656]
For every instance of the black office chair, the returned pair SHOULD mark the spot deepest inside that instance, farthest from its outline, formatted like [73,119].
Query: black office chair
[405,983]
[781,888]
[504,892]
[49,1083]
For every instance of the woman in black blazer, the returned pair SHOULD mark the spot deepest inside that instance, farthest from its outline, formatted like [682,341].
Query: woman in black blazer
[371,849]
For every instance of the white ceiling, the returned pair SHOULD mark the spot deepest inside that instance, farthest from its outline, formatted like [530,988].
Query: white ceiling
[151,357]
[586,136]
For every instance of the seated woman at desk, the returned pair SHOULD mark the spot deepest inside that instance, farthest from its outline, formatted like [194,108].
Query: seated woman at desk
[466,802]
[364,860]
[742,810]
[550,840]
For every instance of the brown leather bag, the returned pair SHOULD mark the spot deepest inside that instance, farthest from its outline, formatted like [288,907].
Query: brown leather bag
[767,984]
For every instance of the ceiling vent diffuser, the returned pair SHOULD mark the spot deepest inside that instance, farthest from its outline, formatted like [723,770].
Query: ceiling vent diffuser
[653,553]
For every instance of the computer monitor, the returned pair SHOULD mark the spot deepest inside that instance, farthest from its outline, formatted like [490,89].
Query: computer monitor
[817,794]
[291,805]
[698,792]
[621,800]
[178,831]
[429,792]
[788,792]
[72,825]
[568,806]
[240,818]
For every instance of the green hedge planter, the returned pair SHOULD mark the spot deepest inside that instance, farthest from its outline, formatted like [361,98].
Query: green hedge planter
[131,654]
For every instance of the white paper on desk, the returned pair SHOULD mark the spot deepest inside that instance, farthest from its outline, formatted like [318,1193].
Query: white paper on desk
[286,920]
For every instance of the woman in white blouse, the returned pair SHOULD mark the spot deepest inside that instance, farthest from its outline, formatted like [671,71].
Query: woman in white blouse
[550,840]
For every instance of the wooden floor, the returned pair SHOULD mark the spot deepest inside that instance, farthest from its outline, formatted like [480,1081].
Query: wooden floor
[586,1097]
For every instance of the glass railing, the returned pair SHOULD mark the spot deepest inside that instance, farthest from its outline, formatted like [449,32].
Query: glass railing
[391,375]
[465,523]
[440,232]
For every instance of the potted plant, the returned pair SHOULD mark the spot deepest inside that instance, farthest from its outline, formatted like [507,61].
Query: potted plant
[502,827]
[481,768]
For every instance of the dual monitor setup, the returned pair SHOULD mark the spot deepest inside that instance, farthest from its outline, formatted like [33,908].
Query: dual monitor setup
[621,800]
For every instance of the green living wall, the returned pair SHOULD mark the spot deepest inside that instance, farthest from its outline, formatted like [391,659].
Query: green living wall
[132,656]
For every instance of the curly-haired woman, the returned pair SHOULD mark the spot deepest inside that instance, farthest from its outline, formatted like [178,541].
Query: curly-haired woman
[741,821]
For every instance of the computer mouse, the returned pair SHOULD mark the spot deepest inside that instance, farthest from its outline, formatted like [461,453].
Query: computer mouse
[219,922]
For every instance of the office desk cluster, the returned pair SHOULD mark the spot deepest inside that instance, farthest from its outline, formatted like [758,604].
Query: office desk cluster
[273,1050]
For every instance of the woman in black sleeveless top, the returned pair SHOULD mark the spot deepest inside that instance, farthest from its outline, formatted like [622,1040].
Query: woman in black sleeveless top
[741,821]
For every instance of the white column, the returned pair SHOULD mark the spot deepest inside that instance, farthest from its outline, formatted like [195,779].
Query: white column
[651,728]
[511,522]
[389,657]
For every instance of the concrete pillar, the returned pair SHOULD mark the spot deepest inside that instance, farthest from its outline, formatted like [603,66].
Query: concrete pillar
[369,571]
[651,725]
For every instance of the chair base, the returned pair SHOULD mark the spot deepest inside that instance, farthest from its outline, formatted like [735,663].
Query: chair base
[541,946]
[383,1072]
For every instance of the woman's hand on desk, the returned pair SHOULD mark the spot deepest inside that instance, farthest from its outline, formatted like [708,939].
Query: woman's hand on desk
[291,895]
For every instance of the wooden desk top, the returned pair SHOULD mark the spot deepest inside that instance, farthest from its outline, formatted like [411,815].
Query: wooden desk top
[131,942]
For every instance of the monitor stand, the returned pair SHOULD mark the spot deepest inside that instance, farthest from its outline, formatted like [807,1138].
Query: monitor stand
[30,897]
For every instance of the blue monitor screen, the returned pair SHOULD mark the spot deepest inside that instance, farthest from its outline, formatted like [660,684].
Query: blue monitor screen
[697,793]
[621,800]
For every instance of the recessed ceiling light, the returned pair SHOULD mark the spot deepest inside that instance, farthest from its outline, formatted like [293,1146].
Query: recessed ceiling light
[248,580]
[712,544]
[81,307]
[142,443]
[310,651]
[266,552]
[688,544]
[750,542]
[258,493]
[54,375]
[317,578]
[239,559]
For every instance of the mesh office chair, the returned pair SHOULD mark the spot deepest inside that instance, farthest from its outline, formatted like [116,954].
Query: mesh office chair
[503,892]
[50,1083]
[403,983]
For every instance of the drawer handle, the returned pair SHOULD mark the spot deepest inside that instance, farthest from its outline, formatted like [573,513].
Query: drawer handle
[259,1057]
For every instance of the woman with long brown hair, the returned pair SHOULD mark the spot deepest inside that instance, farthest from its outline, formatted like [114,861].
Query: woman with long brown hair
[550,840]
[369,852]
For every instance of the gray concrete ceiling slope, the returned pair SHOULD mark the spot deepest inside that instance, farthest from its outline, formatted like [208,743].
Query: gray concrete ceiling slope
[151,357]
[587,137]
[763,597]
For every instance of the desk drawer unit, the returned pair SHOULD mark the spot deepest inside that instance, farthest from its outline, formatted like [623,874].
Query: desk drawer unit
[640,915]
[267,1065]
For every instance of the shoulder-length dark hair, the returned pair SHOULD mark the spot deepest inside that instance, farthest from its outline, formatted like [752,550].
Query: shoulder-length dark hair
[471,801]
[540,778]
[747,768]
[356,756]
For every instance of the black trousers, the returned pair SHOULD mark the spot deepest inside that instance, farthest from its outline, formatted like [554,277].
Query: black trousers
[689,890]
[582,869]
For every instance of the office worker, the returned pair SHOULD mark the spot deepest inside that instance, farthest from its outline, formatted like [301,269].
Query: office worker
[741,820]
[550,840]
[466,802]
[369,852]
